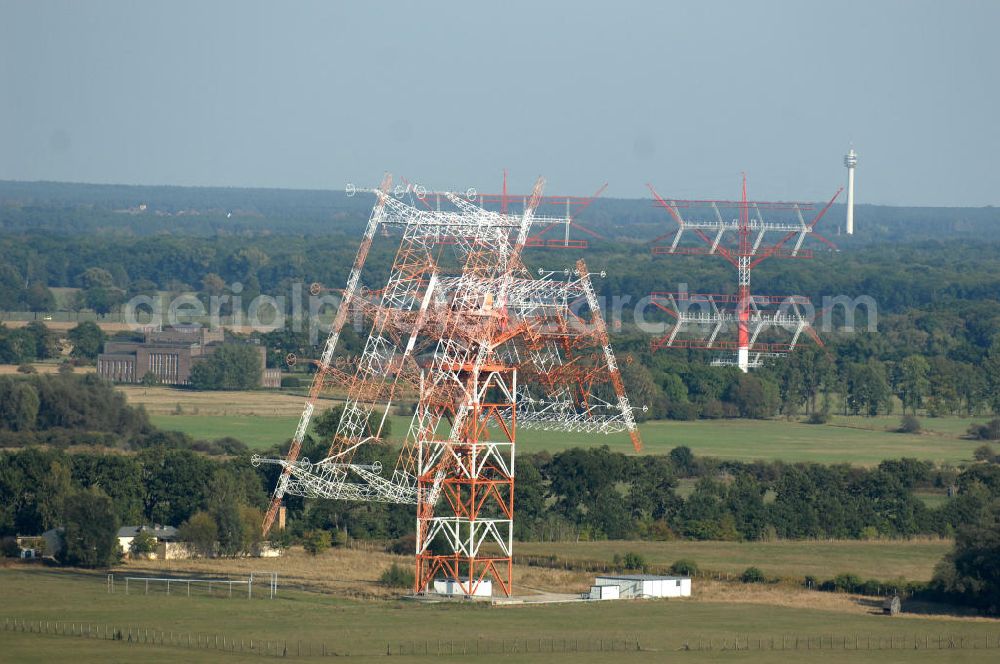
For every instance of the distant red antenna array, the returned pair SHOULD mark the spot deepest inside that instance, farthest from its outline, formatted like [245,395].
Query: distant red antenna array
[736,231]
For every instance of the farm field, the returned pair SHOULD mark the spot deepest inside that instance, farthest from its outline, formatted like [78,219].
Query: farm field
[744,440]
[364,629]
[263,418]
[914,560]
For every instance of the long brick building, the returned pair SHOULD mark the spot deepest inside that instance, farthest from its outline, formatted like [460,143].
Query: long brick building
[169,355]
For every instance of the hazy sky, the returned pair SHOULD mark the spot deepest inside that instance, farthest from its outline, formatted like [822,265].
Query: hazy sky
[686,95]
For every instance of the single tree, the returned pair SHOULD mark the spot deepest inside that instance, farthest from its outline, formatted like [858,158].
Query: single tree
[200,532]
[87,339]
[142,543]
[90,529]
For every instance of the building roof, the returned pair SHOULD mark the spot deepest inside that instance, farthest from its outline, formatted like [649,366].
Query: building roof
[159,532]
[641,577]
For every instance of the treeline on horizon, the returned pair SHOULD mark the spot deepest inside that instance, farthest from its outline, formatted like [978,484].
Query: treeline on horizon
[78,208]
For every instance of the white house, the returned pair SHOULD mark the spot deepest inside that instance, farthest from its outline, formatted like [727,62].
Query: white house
[644,585]
[160,533]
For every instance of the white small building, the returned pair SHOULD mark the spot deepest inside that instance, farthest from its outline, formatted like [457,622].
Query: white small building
[453,588]
[644,586]
[160,533]
[605,592]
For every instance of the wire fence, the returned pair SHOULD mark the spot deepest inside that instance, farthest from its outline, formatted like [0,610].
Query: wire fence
[138,635]
[481,647]
[921,641]
[217,587]
[145,636]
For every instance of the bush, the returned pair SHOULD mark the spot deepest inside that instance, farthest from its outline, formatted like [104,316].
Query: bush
[339,537]
[682,410]
[27,369]
[282,538]
[404,546]
[909,424]
[869,533]
[818,417]
[984,453]
[684,567]
[712,410]
[143,542]
[315,542]
[633,560]
[988,431]
[397,576]
[9,547]
[870,587]
[291,381]
[810,581]
[149,379]
[752,575]
[227,446]
[201,531]
[847,583]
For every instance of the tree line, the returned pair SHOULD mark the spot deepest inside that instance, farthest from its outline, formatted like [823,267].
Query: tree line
[935,348]
[577,494]
[69,410]
[91,495]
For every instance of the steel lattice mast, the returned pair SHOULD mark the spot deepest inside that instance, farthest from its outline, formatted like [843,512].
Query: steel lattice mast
[741,241]
[485,347]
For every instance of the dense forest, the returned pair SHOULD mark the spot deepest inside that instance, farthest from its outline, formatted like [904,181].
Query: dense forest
[573,495]
[933,346]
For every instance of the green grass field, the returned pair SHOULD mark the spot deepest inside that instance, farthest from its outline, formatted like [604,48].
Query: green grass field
[256,431]
[364,629]
[842,441]
[913,560]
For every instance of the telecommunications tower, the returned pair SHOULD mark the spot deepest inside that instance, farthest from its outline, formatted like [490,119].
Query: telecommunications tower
[765,325]
[850,161]
[483,347]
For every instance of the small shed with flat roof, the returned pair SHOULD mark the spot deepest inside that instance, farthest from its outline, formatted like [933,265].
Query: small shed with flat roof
[646,585]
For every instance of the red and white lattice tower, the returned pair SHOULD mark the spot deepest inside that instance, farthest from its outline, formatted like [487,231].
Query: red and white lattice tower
[485,347]
[737,232]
